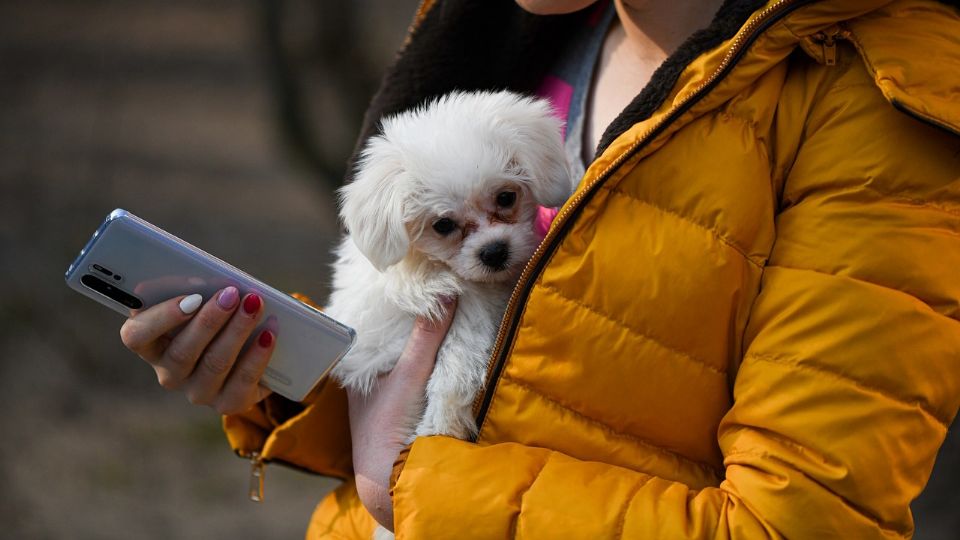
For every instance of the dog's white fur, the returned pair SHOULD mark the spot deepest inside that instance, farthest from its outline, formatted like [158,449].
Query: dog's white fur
[448,159]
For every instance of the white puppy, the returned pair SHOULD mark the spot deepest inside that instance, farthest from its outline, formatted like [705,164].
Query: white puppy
[443,204]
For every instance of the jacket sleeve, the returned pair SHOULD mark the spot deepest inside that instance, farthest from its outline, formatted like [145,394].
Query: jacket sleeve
[849,378]
[313,435]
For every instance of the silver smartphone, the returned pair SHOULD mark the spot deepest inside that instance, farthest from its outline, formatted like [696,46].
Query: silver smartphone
[131,264]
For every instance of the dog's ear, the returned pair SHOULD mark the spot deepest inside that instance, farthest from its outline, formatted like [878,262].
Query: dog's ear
[537,148]
[372,206]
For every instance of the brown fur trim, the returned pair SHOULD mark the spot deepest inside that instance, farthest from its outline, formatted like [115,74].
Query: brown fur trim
[495,45]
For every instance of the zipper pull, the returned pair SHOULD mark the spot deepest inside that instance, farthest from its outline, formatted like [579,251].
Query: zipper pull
[830,51]
[828,40]
[256,477]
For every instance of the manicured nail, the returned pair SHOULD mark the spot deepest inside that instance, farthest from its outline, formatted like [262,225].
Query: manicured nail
[266,339]
[228,298]
[251,304]
[190,304]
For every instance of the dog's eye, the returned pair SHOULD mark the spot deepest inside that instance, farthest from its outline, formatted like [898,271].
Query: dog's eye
[444,226]
[505,199]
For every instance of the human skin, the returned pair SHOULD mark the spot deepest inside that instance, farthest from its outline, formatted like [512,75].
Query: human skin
[645,34]
[382,422]
[642,36]
[202,361]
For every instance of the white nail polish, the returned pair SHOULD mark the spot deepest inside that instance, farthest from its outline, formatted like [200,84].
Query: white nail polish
[190,304]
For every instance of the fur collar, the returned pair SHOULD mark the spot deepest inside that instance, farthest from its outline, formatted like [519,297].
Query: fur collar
[494,44]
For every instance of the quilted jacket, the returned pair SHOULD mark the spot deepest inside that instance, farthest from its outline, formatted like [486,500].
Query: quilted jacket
[744,323]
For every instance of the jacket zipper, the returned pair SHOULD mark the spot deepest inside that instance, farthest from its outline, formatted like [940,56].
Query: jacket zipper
[767,17]
[828,40]
[423,8]
[257,471]
[258,467]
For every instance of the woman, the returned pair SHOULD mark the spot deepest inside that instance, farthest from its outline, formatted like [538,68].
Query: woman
[742,324]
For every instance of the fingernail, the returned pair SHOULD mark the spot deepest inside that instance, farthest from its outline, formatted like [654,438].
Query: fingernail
[251,304]
[228,298]
[447,301]
[266,339]
[190,304]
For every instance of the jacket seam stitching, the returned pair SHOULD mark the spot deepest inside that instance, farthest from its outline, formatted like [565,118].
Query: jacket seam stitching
[516,520]
[726,115]
[754,126]
[767,456]
[713,231]
[780,439]
[622,519]
[839,87]
[911,201]
[885,198]
[866,282]
[644,335]
[798,363]
[926,205]
[715,471]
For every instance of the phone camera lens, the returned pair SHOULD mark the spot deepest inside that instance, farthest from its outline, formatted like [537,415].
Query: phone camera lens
[117,277]
[95,283]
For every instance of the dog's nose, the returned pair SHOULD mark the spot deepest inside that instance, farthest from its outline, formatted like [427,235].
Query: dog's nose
[495,254]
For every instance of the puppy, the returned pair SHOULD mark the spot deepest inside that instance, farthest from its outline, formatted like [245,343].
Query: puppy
[443,204]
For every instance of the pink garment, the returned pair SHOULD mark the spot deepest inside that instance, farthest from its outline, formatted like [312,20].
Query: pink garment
[541,224]
[559,93]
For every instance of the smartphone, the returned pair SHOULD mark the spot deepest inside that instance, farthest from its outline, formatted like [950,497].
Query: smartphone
[130,264]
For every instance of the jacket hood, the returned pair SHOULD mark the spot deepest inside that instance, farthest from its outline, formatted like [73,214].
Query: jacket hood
[494,44]
[909,48]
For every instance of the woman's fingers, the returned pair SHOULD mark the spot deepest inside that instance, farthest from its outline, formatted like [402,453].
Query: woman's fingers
[206,359]
[242,388]
[218,356]
[380,422]
[142,332]
[180,358]
[420,353]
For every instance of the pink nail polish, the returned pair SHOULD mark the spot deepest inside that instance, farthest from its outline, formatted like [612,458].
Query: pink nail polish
[228,298]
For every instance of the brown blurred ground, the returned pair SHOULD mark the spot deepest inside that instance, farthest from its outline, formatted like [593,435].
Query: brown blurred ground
[170,109]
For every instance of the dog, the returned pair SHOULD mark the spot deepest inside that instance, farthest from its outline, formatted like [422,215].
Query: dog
[443,204]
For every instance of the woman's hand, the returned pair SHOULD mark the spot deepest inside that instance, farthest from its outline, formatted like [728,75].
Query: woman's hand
[202,358]
[382,422]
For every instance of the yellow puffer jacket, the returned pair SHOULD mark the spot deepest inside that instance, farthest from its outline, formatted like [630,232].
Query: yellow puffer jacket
[744,324]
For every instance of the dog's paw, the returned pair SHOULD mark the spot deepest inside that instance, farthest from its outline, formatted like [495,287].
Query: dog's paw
[360,373]
[442,418]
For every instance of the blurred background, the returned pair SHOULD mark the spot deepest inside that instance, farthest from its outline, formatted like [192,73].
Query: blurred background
[227,122]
